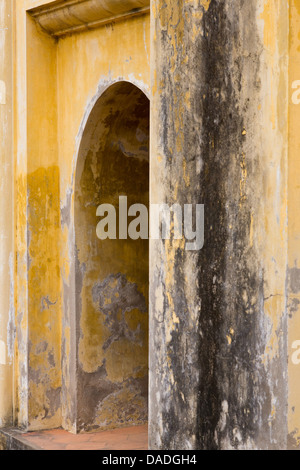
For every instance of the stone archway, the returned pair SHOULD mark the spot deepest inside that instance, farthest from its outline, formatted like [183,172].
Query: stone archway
[111,276]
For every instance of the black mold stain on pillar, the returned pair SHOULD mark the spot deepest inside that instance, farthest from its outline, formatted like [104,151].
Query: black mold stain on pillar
[214,390]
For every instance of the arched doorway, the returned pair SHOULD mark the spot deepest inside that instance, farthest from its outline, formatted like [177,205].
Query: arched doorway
[112,276]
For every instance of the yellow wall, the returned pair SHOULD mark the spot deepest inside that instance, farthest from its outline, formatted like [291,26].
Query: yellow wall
[6,216]
[112,275]
[56,85]
[220,73]
[294,226]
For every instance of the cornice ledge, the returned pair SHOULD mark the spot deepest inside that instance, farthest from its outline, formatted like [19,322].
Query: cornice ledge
[62,17]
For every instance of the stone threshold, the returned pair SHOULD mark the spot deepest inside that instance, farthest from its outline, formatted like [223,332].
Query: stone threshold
[11,439]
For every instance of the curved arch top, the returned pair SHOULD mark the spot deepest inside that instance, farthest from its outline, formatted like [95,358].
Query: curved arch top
[103,86]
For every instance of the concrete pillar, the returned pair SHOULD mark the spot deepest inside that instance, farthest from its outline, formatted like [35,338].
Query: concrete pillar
[6,214]
[218,326]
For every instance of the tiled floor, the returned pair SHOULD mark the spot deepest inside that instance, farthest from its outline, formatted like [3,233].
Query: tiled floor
[133,438]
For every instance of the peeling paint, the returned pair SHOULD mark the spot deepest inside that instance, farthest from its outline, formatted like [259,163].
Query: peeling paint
[111,276]
[232,342]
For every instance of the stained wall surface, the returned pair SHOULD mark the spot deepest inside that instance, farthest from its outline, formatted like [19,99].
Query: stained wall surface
[220,82]
[112,276]
[294,228]
[224,322]
[6,217]
[58,83]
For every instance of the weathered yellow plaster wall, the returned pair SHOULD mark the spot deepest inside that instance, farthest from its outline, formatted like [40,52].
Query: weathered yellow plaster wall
[223,143]
[38,234]
[25,39]
[96,60]
[56,83]
[294,227]
[6,217]
[86,63]
[112,275]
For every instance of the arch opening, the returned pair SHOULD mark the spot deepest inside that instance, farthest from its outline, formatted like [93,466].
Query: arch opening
[112,276]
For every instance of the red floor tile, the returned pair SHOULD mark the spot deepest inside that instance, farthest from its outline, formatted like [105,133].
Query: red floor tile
[133,438]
